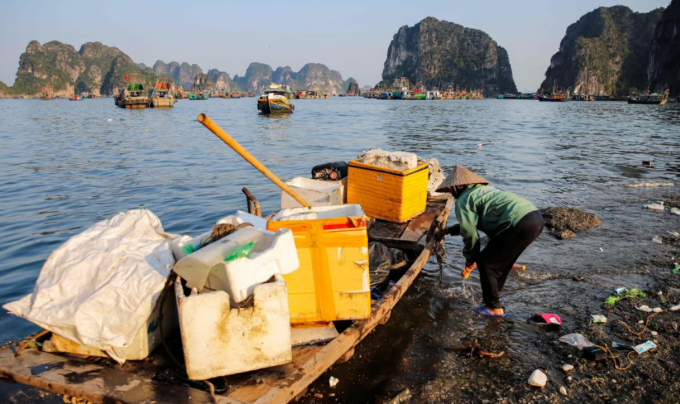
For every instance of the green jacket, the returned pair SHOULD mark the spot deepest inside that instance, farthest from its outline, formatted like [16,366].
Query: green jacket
[490,210]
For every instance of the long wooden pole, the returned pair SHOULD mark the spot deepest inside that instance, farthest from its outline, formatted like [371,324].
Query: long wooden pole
[220,133]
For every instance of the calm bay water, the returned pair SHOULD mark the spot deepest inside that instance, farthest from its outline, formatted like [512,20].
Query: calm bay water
[65,165]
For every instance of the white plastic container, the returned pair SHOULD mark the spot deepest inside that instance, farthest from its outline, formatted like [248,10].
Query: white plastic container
[273,253]
[221,341]
[316,192]
[180,244]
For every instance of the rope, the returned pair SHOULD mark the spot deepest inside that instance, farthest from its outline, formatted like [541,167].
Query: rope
[606,349]
[212,391]
[639,334]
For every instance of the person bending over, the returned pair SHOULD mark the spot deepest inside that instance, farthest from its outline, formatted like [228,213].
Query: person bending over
[511,223]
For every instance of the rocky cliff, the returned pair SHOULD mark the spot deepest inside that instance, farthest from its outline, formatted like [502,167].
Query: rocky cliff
[4,90]
[663,70]
[202,82]
[95,68]
[605,52]
[352,87]
[183,74]
[441,53]
[221,79]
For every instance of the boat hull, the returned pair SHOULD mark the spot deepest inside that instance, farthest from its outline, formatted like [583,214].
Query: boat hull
[279,106]
[654,102]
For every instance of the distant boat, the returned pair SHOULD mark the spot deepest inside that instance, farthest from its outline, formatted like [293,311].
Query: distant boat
[76,98]
[556,95]
[653,99]
[163,94]
[132,97]
[275,100]
[47,93]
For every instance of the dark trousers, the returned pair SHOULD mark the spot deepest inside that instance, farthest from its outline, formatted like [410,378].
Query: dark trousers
[496,260]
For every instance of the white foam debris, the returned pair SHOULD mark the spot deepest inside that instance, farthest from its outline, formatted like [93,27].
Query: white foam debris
[401,161]
[649,185]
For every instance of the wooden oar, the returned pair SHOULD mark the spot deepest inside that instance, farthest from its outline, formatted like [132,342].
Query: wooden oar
[220,133]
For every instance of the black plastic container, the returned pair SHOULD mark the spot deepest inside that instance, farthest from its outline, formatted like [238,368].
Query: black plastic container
[330,171]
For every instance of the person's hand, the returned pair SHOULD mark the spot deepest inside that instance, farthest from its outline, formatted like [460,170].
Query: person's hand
[436,232]
[453,230]
[469,267]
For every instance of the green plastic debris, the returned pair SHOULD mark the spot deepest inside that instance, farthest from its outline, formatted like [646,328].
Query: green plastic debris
[188,249]
[240,252]
[676,269]
[612,300]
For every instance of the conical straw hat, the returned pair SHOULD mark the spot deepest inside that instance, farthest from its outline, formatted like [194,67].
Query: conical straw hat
[460,176]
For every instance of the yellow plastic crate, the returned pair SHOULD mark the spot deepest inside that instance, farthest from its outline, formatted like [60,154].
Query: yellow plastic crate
[383,193]
[332,282]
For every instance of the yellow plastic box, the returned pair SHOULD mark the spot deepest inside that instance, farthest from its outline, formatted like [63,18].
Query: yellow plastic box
[384,193]
[332,282]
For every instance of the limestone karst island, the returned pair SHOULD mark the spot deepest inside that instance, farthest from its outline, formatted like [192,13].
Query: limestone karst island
[381,202]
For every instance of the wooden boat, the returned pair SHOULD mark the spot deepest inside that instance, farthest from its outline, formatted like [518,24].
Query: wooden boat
[136,382]
[163,94]
[275,100]
[132,97]
[556,95]
[47,93]
[76,98]
[653,99]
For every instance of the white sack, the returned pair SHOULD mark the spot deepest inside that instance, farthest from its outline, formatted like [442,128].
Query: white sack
[100,287]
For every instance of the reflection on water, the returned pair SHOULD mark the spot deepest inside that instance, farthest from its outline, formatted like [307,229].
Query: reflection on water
[65,165]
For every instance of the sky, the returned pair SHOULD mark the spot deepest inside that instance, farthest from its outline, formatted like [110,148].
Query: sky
[351,37]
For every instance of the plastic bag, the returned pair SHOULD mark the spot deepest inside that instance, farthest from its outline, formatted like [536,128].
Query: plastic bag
[99,288]
[380,262]
[240,252]
[577,340]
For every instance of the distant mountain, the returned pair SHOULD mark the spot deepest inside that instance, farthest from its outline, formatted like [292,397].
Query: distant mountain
[312,76]
[202,82]
[183,74]
[100,70]
[4,89]
[221,79]
[352,87]
[441,53]
[605,52]
[663,70]
[95,68]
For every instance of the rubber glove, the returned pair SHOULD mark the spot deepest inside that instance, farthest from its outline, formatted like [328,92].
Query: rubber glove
[469,267]
[454,230]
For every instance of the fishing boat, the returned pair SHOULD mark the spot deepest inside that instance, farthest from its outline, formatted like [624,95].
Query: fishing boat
[275,100]
[653,99]
[153,380]
[47,93]
[199,96]
[556,95]
[132,96]
[76,98]
[235,94]
[163,94]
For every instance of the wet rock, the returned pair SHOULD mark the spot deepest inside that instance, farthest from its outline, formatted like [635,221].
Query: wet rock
[568,368]
[566,222]
[538,378]
[563,390]
[565,234]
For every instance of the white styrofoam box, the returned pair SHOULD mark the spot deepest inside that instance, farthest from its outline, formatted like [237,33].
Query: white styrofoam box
[316,192]
[258,222]
[179,243]
[221,341]
[318,212]
[273,253]
[394,160]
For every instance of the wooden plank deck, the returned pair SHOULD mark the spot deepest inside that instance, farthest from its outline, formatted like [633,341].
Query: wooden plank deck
[87,379]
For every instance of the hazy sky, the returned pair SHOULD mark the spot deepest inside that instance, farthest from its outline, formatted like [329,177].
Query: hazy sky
[349,36]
